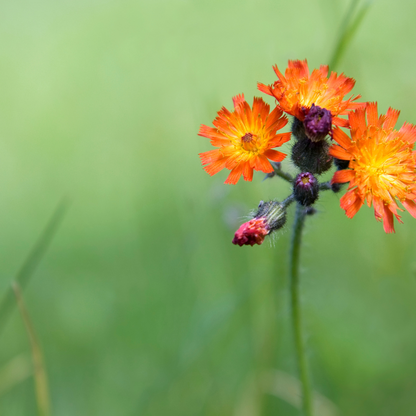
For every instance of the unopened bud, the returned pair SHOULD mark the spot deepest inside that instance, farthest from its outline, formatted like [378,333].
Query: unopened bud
[306,189]
[310,211]
[276,166]
[341,164]
[318,123]
[311,156]
[298,129]
[336,187]
[270,216]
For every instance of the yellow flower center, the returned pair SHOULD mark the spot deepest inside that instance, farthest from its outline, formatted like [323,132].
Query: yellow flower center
[249,142]
[383,167]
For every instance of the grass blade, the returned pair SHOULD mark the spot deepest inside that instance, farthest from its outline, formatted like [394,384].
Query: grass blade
[348,29]
[17,370]
[41,381]
[33,259]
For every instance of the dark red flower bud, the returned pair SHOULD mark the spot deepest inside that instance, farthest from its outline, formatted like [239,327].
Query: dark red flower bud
[318,123]
[306,189]
[270,216]
[251,232]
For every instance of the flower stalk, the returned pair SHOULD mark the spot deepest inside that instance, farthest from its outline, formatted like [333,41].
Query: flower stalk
[295,309]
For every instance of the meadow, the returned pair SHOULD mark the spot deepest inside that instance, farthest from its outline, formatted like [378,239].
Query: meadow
[141,304]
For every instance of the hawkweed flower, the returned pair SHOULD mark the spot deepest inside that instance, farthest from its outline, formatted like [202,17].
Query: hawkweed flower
[298,92]
[245,139]
[382,164]
[269,217]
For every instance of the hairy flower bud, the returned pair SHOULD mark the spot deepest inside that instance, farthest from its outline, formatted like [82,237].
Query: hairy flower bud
[318,123]
[298,129]
[306,189]
[311,156]
[341,164]
[310,211]
[270,216]
[336,187]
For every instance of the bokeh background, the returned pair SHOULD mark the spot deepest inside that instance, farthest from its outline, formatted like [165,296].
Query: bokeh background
[142,306]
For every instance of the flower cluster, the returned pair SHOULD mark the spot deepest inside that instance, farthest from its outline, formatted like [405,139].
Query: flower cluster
[375,160]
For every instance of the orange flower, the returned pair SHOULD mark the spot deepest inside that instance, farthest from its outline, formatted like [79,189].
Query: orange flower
[297,90]
[382,164]
[245,139]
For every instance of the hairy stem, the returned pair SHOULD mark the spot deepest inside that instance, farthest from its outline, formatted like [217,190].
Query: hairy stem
[278,172]
[325,186]
[295,306]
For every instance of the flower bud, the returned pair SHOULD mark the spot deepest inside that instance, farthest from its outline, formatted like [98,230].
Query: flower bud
[336,187]
[341,164]
[305,189]
[276,166]
[318,123]
[310,211]
[298,129]
[311,156]
[270,216]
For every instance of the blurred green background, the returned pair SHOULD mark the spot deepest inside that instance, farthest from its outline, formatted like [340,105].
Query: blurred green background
[142,305]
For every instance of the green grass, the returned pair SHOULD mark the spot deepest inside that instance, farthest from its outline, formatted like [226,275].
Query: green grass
[142,306]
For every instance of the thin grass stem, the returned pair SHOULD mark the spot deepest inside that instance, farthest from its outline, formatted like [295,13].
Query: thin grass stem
[349,27]
[33,259]
[41,381]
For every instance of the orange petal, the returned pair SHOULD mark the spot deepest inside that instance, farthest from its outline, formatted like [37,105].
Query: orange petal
[278,73]
[351,202]
[300,66]
[247,172]
[410,206]
[279,139]
[209,132]
[261,163]
[341,122]
[215,167]
[357,119]
[388,223]
[210,156]
[409,132]
[275,121]
[372,114]
[234,175]
[341,138]
[267,89]
[339,152]
[274,155]
[343,176]
[391,118]
[238,99]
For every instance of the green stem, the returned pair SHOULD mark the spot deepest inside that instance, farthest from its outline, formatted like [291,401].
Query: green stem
[325,186]
[282,174]
[295,305]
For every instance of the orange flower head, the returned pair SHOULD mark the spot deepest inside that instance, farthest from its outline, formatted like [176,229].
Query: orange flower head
[298,90]
[382,164]
[245,139]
